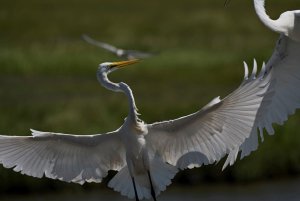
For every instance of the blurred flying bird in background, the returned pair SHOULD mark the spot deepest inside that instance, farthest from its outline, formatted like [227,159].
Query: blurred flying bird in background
[148,156]
[125,54]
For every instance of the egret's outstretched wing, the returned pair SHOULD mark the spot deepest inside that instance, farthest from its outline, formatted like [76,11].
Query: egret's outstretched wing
[70,158]
[209,134]
[276,107]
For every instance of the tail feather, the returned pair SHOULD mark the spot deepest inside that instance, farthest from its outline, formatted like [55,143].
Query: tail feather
[161,175]
[122,183]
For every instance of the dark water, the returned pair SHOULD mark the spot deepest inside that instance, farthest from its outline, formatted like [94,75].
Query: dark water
[285,190]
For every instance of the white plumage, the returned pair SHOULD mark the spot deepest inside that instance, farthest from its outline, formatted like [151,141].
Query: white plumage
[64,157]
[207,135]
[288,23]
[285,67]
[148,156]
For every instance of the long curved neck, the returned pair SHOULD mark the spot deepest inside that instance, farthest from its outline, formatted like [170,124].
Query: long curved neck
[119,87]
[259,6]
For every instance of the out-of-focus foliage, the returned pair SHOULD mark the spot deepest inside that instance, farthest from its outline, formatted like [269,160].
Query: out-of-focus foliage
[48,82]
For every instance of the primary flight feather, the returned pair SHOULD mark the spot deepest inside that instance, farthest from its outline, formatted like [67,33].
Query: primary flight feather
[148,156]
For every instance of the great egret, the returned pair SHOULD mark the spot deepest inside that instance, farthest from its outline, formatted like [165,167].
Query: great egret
[125,54]
[148,156]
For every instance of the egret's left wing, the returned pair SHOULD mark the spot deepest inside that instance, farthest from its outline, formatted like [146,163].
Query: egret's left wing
[209,134]
[70,158]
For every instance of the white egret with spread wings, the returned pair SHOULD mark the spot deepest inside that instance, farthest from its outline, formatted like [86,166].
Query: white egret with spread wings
[147,156]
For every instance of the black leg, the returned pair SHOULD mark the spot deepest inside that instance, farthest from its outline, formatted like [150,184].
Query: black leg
[152,189]
[135,192]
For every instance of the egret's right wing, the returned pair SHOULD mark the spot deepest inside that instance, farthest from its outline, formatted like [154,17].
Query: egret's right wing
[103,45]
[70,158]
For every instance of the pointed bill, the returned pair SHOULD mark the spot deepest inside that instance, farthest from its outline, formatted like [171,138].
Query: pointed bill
[122,64]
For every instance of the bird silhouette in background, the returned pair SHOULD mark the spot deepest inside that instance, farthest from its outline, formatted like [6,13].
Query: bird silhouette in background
[125,54]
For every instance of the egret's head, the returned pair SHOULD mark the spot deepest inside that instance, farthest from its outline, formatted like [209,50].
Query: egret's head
[109,67]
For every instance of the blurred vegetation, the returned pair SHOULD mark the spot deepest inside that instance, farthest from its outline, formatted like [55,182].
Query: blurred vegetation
[48,82]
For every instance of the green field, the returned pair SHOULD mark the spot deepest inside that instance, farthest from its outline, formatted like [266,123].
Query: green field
[48,74]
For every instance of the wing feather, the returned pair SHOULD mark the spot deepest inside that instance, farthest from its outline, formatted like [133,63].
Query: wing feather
[71,158]
[284,98]
[209,134]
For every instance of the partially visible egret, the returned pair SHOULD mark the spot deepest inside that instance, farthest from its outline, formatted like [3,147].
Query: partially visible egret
[148,156]
[288,23]
[125,54]
[285,67]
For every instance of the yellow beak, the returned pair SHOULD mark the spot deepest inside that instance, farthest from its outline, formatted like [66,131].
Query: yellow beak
[122,64]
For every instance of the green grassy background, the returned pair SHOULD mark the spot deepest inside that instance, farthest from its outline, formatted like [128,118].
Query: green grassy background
[48,80]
